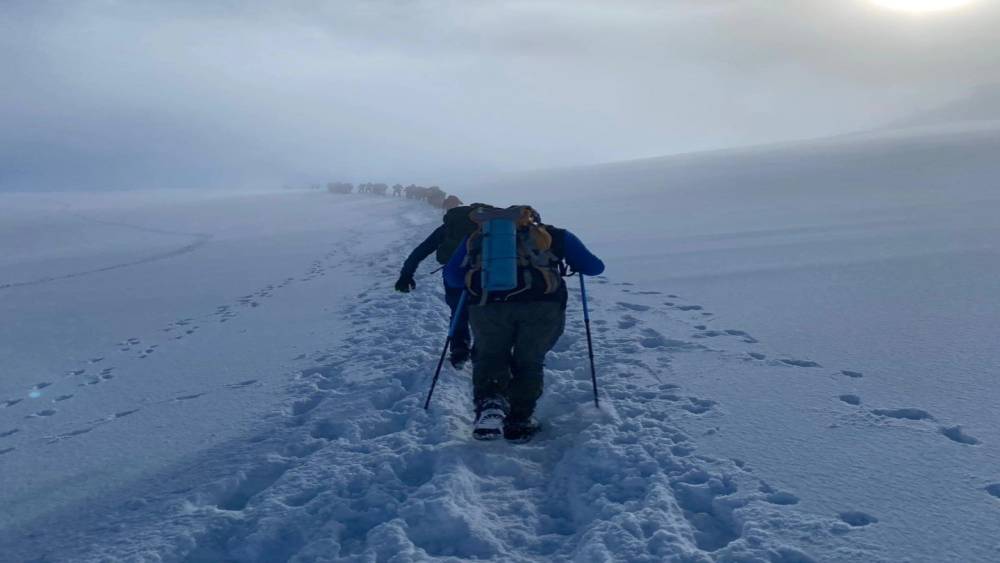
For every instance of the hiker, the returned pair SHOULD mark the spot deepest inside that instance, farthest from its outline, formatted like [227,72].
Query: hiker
[435,196]
[454,229]
[514,328]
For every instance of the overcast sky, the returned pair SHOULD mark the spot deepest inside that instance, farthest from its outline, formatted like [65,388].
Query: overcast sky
[201,93]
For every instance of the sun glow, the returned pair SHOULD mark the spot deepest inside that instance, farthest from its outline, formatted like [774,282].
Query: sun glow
[922,5]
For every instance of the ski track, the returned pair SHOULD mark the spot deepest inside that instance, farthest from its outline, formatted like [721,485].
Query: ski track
[353,469]
[199,240]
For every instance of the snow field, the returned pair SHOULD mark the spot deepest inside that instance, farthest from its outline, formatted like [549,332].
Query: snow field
[795,350]
[352,468]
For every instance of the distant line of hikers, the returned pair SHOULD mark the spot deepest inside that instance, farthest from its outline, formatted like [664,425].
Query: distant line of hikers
[503,274]
[433,195]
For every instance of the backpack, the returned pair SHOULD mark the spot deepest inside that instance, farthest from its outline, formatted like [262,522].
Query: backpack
[457,226]
[509,252]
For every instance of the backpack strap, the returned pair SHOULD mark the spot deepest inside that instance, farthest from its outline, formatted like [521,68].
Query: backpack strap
[535,250]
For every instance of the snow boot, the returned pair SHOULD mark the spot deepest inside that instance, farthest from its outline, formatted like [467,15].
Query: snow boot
[459,356]
[521,431]
[490,417]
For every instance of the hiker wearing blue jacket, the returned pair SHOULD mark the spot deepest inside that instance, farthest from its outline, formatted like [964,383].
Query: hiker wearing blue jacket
[456,226]
[514,329]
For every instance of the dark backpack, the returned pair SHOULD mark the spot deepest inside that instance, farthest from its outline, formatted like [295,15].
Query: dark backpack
[457,226]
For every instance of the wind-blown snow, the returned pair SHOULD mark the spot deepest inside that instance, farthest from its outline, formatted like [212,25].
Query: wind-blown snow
[795,350]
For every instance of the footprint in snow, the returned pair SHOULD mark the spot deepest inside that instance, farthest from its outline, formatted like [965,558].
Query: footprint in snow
[188,397]
[756,355]
[633,306]
[251,484]
[708,334]
[72,434]
[10,403]
[241,384]
[956,434]
[744,335]
[62,398]
[850,399]
[993,490]
[682,450]
[904,414]
[696,493]
[42,413]
[699,406]
[689,307]
[41,385]
[781,498]
[856,519]
[6,450]
[9,433]
[652,339]
[800,363]
[853,374]
[307,404]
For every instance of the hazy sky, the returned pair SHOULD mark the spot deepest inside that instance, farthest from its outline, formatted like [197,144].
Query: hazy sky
[134,93]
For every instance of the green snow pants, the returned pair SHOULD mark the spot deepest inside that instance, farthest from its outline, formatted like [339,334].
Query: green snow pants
[511,341]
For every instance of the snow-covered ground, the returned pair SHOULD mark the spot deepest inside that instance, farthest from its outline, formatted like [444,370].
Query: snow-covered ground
[796,351]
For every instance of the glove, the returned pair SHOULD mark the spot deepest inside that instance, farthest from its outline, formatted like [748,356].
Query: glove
[405,283]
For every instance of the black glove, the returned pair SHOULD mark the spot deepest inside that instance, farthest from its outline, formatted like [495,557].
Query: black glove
[405,283]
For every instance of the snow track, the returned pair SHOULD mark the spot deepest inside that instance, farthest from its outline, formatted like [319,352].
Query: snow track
[197,240]
[354,470]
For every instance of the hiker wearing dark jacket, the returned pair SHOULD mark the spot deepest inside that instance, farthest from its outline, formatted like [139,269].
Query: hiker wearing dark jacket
[514,330]
[442,242]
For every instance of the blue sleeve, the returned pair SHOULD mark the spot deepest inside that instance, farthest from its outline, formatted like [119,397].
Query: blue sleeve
[580,259]
[454,273]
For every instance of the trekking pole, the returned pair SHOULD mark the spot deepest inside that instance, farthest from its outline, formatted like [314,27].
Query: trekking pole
[447,343]
[590,342]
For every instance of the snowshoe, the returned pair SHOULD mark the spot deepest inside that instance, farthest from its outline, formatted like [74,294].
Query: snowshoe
[521,431]
[490,417]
